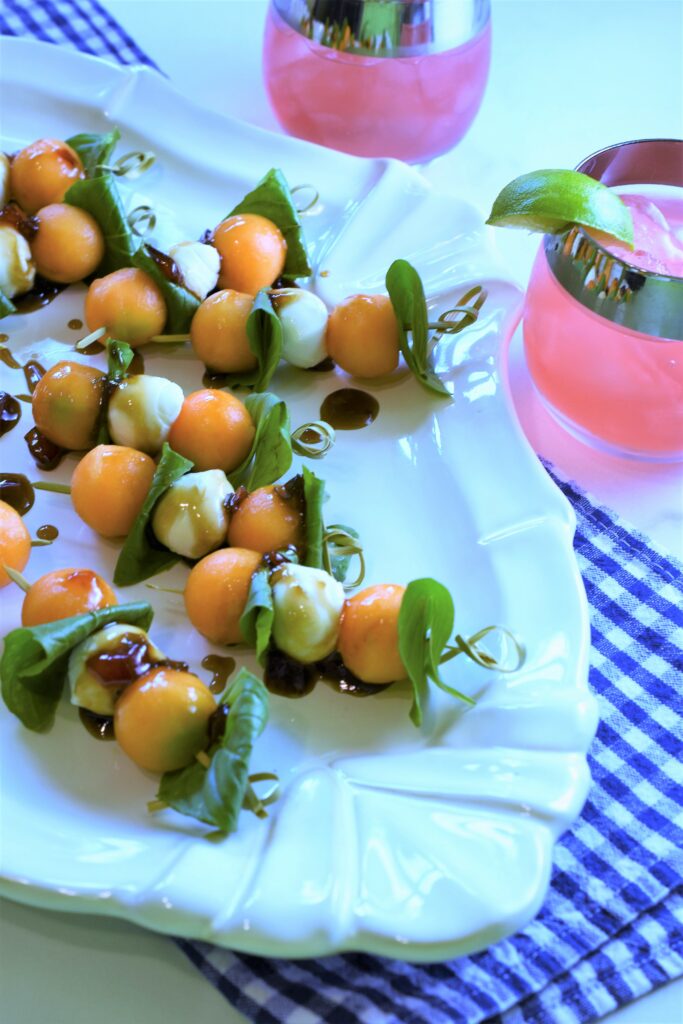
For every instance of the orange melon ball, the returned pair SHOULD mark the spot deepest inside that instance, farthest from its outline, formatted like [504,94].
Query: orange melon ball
[68,244]
[368,634]
[218,332]
[216,593]
[128,304]
[109,486]
[213,429]
[63,593]
[43,172]
[267,520]
[252,251]
[161,721]
[15,542]
[67,404]
[363,337]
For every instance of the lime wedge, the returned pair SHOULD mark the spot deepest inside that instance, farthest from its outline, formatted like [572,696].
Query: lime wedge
[551,200]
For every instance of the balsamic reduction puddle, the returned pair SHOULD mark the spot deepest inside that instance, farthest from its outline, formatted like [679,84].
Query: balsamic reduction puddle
[215,380]
[286,677]
[99,726]
[42,294]
[221,668]
[46,455]
[33,370]
[75,324]
[349,409]
[16,490]
[48,533]
[10,412]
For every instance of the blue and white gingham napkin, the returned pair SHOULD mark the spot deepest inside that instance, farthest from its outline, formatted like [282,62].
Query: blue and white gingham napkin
[611,928]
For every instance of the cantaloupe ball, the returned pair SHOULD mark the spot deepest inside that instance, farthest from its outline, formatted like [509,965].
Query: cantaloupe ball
[68,244]
[109,486]
[213,429]
[267,520]
[161,721]
[368,634]
[43,172]
[67,404]
[218,332]
[63,593]
[363,336]
[128,304]
[216,593]
[15,542]
[252,251]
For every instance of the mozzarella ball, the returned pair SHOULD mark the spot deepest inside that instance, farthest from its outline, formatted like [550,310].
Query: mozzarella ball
[17,266]
[304,322]
[307,607]
[191,518]
[131,653]
[142,410]
[4,179]
[199,266]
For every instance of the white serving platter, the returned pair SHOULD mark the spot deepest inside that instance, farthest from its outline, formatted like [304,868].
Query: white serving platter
[419,844]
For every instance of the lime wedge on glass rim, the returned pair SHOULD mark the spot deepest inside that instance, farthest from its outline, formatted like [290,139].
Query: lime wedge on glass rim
[552,200]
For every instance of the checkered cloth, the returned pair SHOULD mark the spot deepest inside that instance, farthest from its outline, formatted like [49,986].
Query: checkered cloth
[611,928]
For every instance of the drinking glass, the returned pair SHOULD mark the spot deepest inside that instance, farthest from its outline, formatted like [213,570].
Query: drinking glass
[401,78]
[603,325]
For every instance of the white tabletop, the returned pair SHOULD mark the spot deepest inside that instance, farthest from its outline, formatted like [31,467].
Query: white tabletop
[568,77]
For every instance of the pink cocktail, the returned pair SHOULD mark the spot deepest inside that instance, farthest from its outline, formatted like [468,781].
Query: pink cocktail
[603,324]
[404,92]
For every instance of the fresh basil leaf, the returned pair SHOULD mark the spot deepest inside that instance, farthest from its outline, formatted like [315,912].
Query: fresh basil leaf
[7,307]
[100,197]
[34,661]
[271,452]
[139,557]
[181,304]
[425,623]
[272,199]
[119,357]
[410,306]
[314,497]
[264,332]
[94,149]
[256,623]
[215,795]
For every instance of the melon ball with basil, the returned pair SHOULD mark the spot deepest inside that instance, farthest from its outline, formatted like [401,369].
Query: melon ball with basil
[161,721]
[253,251]
[128,304]
[68,244]
[368,634]
[109,486]
[363,336]
[216,593]
[43,172]
[67,404]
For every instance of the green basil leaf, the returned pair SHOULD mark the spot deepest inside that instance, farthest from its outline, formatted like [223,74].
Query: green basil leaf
[139,557]
[34,661]
[7,307]
[256,623]
[119,357]
[94,149]
[264,332]
[215,795]
[181,304]
[100,198]
[425,623]
[314,496]
[410,306]
[271,452]
[272,199]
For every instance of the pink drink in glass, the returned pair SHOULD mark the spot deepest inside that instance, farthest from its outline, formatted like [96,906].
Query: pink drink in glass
[609,384]
[412,108]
